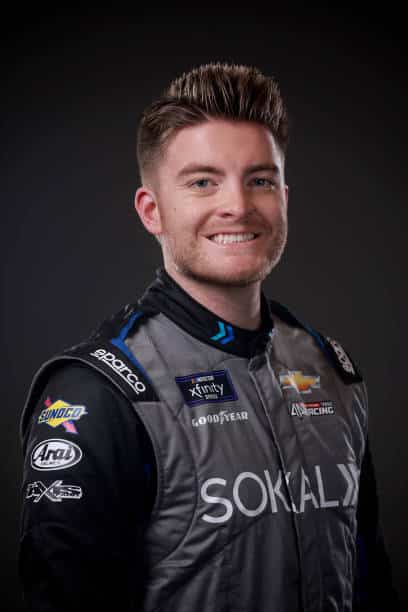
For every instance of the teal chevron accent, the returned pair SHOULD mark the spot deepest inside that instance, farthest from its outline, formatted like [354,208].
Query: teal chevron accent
[225,333]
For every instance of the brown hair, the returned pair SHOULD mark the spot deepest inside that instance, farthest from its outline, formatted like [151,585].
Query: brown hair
[216,90]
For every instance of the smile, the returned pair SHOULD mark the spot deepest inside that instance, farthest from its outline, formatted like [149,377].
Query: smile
[232,238]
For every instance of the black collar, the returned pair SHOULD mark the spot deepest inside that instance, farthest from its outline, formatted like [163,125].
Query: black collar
[166,296]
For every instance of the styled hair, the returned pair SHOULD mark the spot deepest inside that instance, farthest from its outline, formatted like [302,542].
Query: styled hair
[211,91]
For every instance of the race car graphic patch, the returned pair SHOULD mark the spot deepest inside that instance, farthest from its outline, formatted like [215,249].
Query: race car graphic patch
[61,413]
[55,492]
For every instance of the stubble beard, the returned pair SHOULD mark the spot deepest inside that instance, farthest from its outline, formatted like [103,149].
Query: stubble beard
[194,266]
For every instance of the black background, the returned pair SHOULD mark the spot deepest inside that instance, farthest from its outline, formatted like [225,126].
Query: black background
[74,251]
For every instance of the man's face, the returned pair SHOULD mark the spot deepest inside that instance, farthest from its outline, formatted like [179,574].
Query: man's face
[221,203]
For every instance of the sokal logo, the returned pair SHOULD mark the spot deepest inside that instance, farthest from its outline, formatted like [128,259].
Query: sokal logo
[341,354]
[302,409]
[55,454]
[55,492]
[206,387]
[302,383]
[61,413]
[252,494]
[120,368]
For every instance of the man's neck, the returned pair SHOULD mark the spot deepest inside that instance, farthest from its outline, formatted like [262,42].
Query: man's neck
[240,306]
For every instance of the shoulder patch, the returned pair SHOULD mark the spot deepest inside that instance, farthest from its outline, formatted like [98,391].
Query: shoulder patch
[341,361]
[123,370]
[108,352]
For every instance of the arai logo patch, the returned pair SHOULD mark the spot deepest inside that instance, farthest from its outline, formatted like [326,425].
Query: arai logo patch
[55,454]
[207,387]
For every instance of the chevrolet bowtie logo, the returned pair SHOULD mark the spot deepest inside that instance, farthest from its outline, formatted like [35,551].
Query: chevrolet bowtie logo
[225,333]
[301,383]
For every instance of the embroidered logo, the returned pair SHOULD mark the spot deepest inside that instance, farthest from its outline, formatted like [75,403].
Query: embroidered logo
[302,409]
[225,333]
[61,413]
[55,454]
[119,367]
[296,380]
[55,492]
[206,387]
[219,418]
[341,354]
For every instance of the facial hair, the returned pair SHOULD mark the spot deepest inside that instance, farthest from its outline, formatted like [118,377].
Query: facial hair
[195,266]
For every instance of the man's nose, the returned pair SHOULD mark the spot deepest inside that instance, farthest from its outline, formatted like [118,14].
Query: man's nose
[237,202]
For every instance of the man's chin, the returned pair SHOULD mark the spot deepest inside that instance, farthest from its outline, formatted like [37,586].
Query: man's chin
[229,278]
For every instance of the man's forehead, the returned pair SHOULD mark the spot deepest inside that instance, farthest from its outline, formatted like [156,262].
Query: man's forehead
[221,142]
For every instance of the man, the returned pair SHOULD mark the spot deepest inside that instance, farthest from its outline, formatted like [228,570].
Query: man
[204,450]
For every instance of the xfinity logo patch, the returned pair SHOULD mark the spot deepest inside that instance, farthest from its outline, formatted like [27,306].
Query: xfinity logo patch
[120,368]
[55,492]
[206,387]
[55,454]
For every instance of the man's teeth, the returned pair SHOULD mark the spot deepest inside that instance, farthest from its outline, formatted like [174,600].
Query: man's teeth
[229,238]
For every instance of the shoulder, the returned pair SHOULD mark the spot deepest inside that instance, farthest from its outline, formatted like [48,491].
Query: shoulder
[77,401]
[332,349]
[107,352]
[71,388]
[101,362]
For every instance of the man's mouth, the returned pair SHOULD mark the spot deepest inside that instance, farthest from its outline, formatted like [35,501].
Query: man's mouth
[233,238]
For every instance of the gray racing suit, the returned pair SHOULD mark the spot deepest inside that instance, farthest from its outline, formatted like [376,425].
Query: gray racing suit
[258,443]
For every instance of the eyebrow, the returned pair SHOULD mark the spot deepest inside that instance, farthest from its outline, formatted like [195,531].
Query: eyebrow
[198,168]
[262,168]
[207,169]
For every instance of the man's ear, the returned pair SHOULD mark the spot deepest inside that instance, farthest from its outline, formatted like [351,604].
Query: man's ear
[148,210]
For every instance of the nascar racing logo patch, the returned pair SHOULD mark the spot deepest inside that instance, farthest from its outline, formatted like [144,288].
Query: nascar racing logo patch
[207,387]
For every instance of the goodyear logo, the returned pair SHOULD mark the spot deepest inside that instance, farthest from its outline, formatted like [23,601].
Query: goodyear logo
[61,413]
[296,380]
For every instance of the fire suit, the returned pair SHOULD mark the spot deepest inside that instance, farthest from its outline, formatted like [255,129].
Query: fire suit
[174,461]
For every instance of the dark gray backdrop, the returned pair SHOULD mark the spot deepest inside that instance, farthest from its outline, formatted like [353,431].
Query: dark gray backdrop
[74,250]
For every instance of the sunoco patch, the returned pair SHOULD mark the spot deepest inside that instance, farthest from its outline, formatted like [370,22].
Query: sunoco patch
[206,387]
[61,413]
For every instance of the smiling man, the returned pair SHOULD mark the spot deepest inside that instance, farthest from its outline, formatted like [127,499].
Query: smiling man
[204,450]
[217,202]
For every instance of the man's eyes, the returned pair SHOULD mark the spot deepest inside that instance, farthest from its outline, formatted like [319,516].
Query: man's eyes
[261,181]
[201,183]
[258,181]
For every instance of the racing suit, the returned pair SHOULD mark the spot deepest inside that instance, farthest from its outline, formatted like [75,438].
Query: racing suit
[176,462]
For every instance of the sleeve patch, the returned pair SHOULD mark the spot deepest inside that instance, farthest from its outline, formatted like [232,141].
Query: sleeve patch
[344,365]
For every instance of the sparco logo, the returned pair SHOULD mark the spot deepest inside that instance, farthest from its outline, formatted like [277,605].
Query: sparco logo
[55,454]
[120,368]
[344,360]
